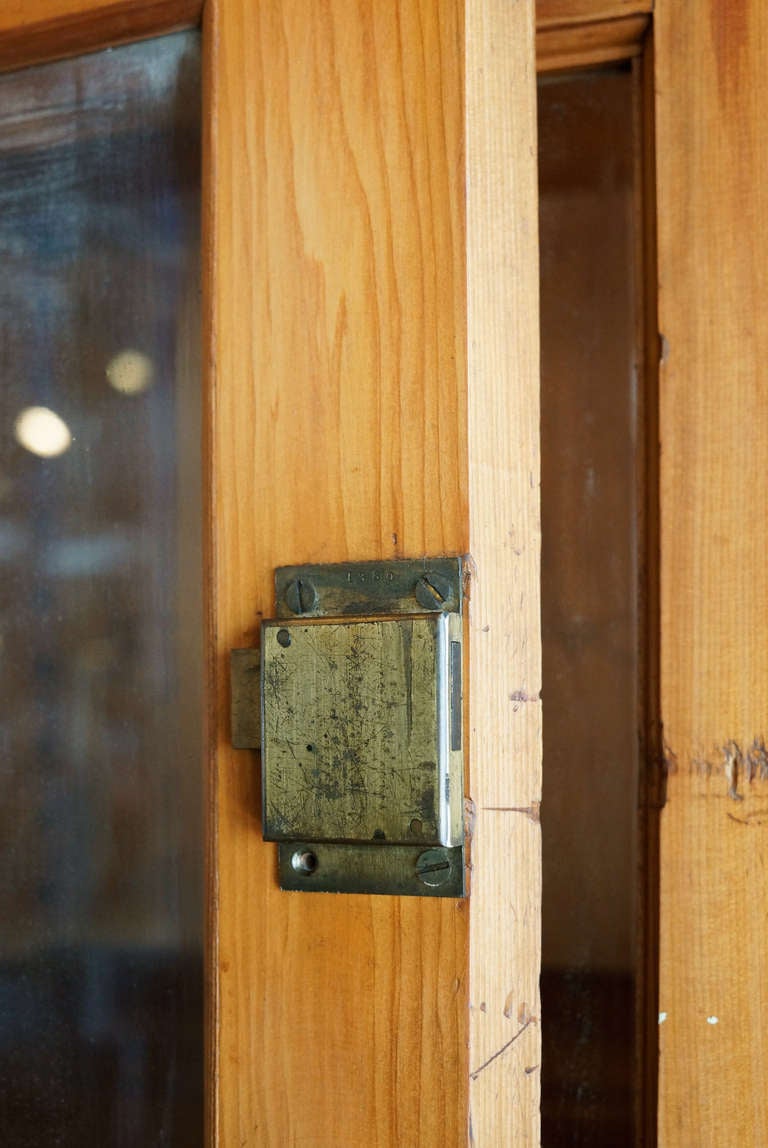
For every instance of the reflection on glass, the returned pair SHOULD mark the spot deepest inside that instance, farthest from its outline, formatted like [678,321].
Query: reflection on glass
[100,602]
[590,578]
[42,431]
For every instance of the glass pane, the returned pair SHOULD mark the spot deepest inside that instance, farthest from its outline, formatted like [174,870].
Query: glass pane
[100,601]
[590,578]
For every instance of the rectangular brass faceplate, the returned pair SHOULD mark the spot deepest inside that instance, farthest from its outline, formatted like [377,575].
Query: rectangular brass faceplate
[364,589]
[361,727]
[400,870]
[356,731]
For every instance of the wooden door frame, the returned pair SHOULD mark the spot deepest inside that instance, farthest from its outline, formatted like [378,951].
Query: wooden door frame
[708,771]
[489,1057]
[574,34]
[38,31]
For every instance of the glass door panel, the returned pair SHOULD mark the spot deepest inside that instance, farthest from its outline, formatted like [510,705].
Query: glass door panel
[101,894]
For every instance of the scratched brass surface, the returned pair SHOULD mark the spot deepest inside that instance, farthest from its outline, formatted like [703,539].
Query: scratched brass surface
[397,870]
[370,588]
[356,731]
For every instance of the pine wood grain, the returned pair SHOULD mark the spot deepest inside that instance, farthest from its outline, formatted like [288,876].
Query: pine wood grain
[505,638]
[335,237]
[712,106]
[550,13]
[34,31]
[335,326]
[585,45]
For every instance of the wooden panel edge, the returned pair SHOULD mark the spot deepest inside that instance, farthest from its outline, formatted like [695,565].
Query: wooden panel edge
[557,13]
[505,533]
[582,45]
[711,109]
[45,30]
[651,756]
[208,334]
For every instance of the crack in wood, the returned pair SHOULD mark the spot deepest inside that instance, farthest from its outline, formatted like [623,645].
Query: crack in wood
[730,759]
[533,810]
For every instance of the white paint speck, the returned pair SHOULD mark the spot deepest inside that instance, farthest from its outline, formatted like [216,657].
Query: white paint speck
[713,1020]
[662,1017]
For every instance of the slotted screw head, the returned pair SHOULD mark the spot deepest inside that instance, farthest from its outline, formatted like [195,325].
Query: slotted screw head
[433,867]
[433,592]
[300,596]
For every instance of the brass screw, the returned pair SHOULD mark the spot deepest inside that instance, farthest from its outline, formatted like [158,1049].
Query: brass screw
[300,596]
[433,867]
[433,592]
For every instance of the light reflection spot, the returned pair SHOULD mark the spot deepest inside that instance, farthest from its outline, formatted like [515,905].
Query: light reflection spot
[41,431]
[130,372]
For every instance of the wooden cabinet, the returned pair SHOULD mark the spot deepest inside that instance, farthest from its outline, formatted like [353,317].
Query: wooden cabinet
[371,339]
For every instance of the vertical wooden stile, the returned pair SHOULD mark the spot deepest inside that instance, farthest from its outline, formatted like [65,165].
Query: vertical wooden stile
[712,157]
[336,243]
[505,533]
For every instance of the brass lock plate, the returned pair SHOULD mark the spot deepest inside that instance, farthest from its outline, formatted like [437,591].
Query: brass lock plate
[356,730]
[361,727]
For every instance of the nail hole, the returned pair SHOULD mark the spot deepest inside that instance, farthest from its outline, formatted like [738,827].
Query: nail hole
[283,638]
[304,861]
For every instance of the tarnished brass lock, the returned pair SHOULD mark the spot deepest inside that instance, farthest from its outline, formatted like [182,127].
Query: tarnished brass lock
[356,704]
